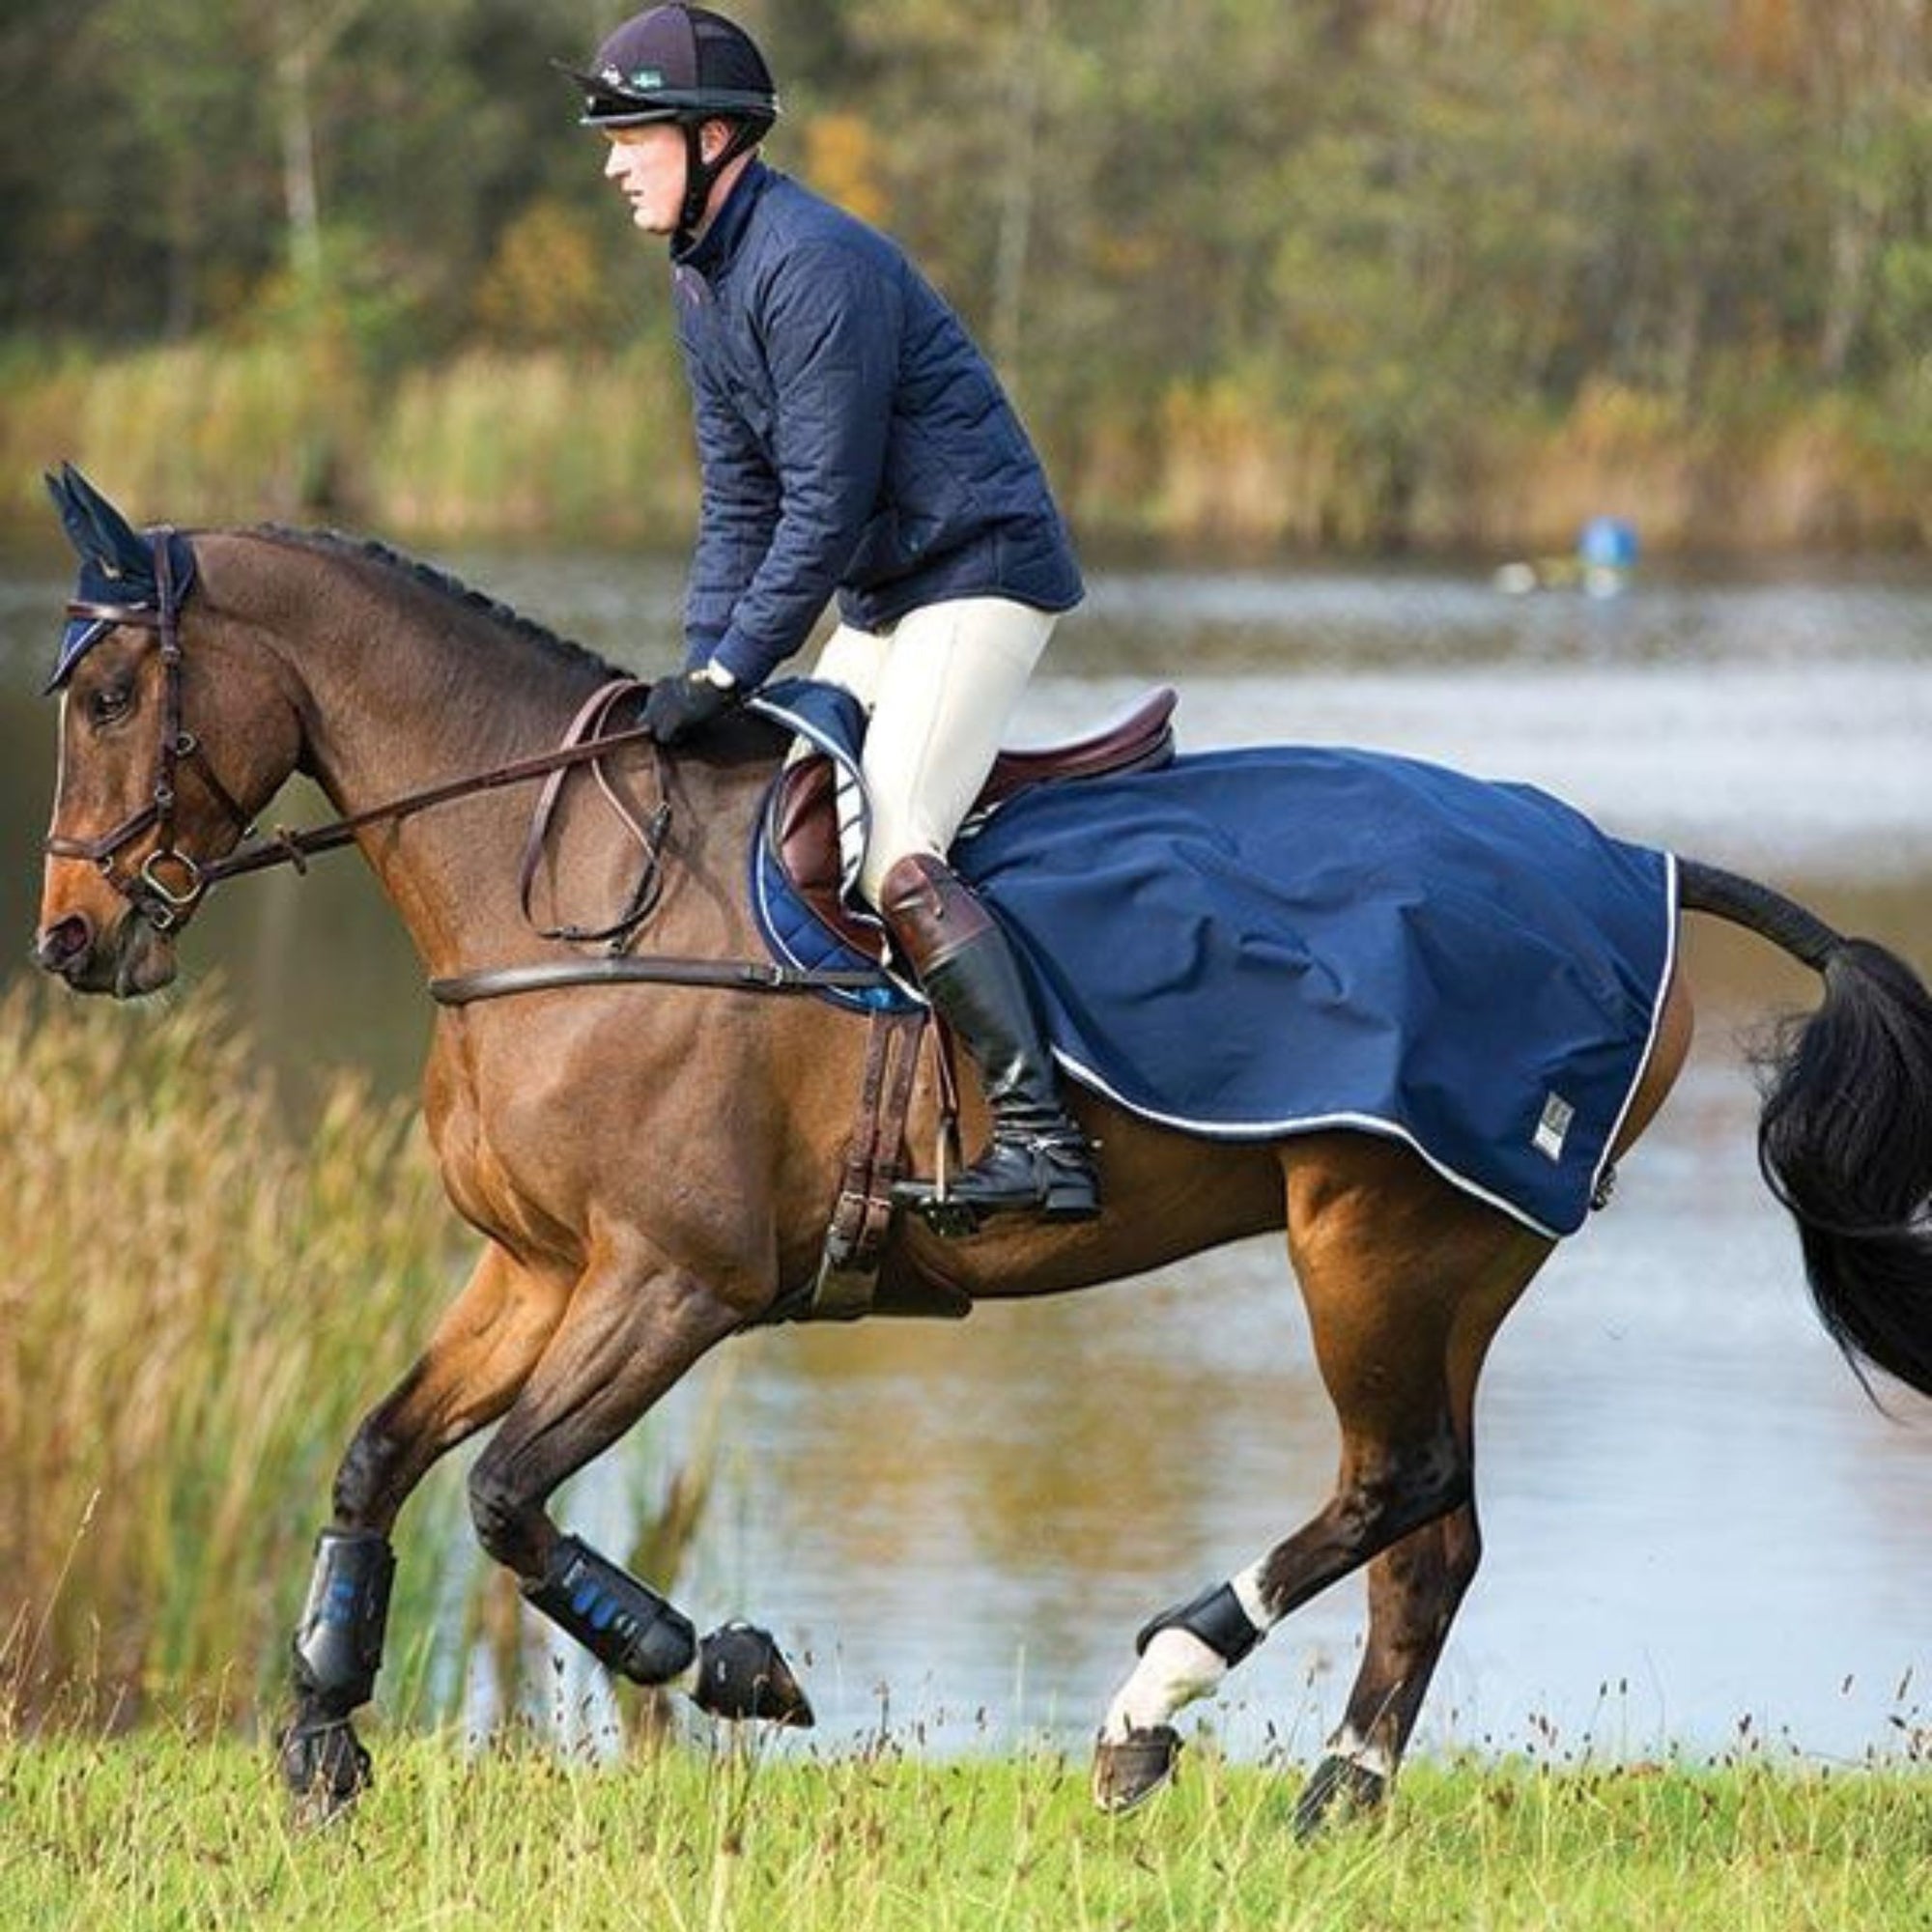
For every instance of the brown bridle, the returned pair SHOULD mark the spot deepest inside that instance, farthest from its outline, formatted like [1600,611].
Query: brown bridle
[167,885]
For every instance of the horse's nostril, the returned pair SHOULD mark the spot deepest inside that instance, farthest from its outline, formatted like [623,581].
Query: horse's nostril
[64,942]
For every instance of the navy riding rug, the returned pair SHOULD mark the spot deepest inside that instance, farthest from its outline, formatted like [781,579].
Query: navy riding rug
[1254,944]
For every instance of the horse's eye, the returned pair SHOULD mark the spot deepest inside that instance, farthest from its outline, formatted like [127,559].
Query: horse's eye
[111,701]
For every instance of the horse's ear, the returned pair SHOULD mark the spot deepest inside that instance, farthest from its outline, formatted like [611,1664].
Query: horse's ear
[98,532]
[61,487]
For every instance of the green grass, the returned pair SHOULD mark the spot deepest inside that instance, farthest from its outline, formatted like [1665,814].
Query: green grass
[162,1830]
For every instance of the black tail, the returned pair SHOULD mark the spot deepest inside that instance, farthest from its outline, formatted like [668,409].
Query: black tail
[1845,1139]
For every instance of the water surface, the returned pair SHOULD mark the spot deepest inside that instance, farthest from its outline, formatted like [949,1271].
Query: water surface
[1697,1527]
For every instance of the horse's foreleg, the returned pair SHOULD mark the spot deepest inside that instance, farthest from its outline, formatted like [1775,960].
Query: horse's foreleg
[481,1354]
[631,1333]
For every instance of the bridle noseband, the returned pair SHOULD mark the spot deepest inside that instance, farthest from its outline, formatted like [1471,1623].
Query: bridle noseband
[167,884]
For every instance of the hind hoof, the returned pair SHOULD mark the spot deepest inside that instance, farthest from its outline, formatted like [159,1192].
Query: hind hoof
[1128,1773]
[742,1673]
[324,1768]
[1337,1791]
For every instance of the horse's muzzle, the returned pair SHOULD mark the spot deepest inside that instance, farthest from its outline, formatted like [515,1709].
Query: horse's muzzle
[129,959]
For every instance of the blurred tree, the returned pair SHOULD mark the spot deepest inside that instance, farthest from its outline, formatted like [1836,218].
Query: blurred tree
[813,49]
[169,196]
[1869,67]
[843,159]
[549,283]
[1384,221]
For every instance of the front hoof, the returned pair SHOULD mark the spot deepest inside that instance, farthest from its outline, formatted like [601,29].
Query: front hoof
[324,1768]
[1130,1772]
[742,1673]
[1337,1791]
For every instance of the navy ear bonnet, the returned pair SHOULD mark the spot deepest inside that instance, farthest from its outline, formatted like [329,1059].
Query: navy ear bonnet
[117,564]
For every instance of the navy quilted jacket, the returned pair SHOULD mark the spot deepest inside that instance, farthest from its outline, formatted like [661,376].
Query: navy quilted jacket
[852,440]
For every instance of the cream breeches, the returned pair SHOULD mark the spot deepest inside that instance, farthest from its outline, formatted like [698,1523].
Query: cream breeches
[942,687]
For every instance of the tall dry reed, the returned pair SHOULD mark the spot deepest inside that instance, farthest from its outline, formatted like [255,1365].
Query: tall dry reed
[536,446]
[195,1308]
[197,1303]
[539,446]
[197,432]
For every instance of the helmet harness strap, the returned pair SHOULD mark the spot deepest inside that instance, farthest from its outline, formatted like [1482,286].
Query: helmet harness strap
[699,175]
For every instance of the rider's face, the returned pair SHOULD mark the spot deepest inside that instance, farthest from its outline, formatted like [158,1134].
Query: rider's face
[649,165]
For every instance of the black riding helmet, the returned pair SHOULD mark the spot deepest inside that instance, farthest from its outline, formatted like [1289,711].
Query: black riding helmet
[685,65]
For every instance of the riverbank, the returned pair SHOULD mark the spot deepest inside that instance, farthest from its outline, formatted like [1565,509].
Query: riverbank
[168,1828]
[545,447]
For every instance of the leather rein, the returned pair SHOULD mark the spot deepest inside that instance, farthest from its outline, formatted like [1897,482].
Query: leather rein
[168,883]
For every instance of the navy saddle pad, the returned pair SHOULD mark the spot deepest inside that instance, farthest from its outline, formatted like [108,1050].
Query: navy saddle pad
[1249,944]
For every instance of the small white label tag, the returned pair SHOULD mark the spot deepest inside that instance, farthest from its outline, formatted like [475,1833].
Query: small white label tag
[1557,1114]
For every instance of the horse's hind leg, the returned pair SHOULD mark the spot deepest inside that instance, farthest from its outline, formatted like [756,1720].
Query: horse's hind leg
[633,1327]
[1414,1591]
[1391,1262]
[1416,1586]
[481,1354]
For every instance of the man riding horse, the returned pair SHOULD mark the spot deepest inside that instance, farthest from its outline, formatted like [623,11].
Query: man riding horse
[853,442]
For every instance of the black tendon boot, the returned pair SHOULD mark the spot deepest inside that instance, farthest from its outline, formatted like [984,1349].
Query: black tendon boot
[1037,1160]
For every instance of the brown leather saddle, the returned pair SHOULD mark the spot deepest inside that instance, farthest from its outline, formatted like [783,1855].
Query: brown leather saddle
[800,836]
[805,820]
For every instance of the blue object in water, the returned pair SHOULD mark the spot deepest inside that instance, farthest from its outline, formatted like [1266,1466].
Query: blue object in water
[1608,543]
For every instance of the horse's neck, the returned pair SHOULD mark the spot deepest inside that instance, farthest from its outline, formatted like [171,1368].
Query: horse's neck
[402,696]
[402,687]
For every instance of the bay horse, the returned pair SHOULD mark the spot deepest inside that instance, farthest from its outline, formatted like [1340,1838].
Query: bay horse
[651,1169]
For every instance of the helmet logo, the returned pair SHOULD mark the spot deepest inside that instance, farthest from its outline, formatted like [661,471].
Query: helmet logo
[643,79]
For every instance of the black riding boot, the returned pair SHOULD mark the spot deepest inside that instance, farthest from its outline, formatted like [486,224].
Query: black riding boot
[1037,1160]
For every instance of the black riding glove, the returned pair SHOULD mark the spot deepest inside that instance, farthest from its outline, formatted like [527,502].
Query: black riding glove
[681,707]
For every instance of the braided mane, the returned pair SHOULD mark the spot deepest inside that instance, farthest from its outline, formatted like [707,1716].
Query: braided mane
[444,583]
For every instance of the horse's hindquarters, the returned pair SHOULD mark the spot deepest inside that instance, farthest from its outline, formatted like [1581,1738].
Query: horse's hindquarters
[1670,1045]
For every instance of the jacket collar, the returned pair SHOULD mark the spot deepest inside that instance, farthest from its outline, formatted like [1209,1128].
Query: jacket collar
[712,253]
